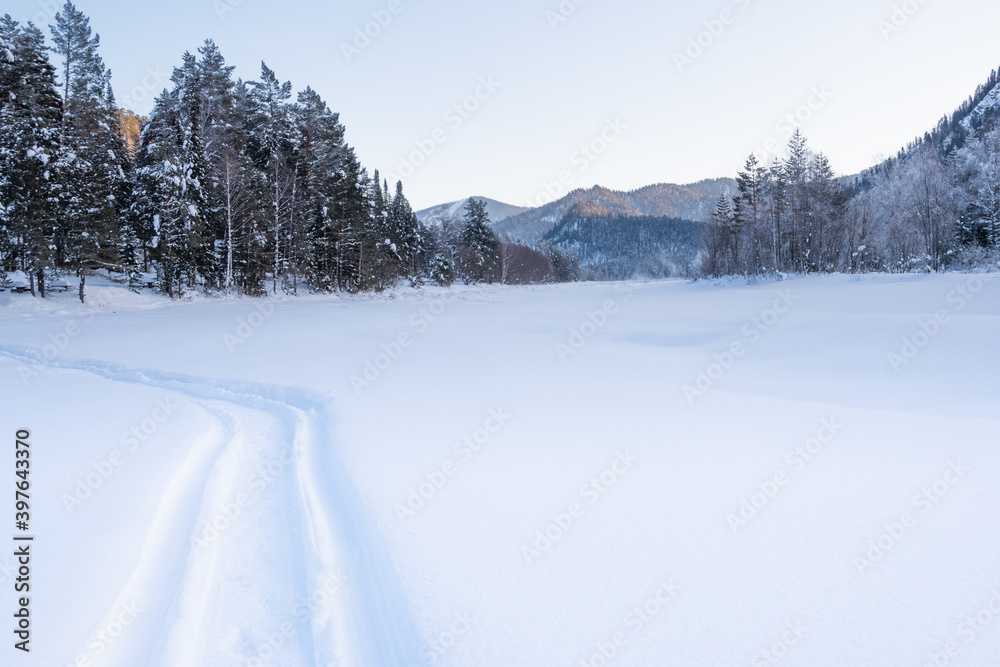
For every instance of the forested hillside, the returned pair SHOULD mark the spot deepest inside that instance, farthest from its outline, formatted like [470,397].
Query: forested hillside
[620,247]
[690,202]
[934,207]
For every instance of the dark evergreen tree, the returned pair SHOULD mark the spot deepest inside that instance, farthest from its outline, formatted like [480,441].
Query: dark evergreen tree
[172,179]
[796,177]
[480,244]
[407,235]
[30,115]
[93,156]
[748,212]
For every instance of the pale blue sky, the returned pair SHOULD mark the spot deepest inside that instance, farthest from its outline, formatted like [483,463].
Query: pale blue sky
[559,86]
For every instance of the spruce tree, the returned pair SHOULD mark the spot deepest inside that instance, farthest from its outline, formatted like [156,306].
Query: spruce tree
[796,174]
[407,234]
[747,211]
[480,241]
[328,198]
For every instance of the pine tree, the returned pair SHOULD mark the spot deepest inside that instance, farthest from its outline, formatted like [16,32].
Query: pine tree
[796,176]
[218,121]
[407,235]
[748,210]
[71,35]
[821,255]
[442,269]
[380,253]
[776,196]
[172,180]
[93,156]
[8,84]
[719,243]
[480,241]
[30,113]
[328,201]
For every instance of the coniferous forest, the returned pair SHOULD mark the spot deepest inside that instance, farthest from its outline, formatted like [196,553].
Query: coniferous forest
[232,187]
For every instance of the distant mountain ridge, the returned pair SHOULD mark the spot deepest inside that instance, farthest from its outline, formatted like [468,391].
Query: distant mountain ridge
[497,210]
[694,201]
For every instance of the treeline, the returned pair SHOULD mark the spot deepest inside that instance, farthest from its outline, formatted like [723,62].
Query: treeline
[935,207]
[229,186]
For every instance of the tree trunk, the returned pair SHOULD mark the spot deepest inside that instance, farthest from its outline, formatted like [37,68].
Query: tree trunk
[229,237]
[83,282]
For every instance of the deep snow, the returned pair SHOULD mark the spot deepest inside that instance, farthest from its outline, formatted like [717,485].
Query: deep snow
[664,473]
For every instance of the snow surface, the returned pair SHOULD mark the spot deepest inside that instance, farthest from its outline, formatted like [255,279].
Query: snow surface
[256,510]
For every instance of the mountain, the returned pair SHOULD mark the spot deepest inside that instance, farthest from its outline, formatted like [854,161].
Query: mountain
[695,201]
[619,247]
[454,211]
[986,107]
[981,111]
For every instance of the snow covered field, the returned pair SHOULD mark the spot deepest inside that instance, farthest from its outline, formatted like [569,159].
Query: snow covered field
[796,473]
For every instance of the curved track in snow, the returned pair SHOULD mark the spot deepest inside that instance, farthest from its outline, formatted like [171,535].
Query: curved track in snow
[295,575]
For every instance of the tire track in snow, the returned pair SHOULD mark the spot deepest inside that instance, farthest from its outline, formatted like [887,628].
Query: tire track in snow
[367,624]
[220,614]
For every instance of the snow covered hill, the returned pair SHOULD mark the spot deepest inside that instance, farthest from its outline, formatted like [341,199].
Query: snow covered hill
[455,210]
[634,474]
[694,202]
[988,106]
